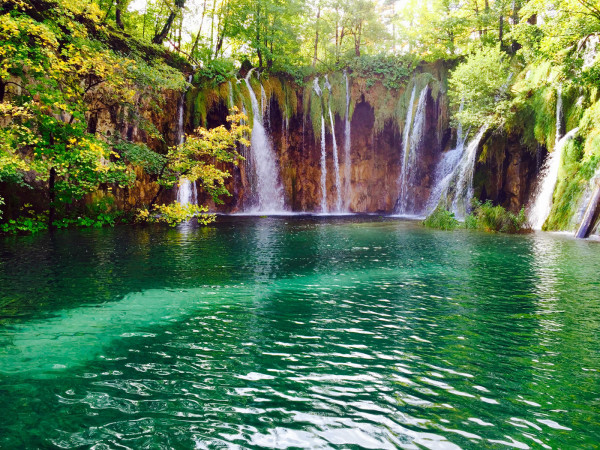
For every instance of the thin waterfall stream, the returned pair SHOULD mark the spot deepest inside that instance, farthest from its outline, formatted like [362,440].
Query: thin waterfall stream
[336,163]
[323,161]
[187,192]
[347,148]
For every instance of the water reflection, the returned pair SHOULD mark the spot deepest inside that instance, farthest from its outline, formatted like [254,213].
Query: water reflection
[300,332]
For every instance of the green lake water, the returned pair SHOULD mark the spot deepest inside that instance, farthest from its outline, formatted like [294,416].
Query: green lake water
[299,332]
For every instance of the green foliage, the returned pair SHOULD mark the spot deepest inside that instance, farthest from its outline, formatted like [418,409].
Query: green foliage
[140,155]
[174,214]
[441,219]
[98,215]
[490,218]
[392,71]
[197,157]
[481,84]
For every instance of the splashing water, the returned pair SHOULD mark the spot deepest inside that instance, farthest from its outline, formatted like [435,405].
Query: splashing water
[347,148]
[549,175]
[266,186]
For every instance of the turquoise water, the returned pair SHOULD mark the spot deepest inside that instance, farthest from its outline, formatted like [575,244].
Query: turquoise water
[299,332]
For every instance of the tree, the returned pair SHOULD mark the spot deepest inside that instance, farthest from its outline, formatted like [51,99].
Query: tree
[53,80]
[197,159]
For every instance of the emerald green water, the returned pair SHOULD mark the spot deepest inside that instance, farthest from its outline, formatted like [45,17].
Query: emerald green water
[299,332]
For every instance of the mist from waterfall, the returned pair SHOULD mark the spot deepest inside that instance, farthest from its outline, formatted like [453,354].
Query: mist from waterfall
[412,137]
[187,192]
[347,148]
[336,163]
[266,186]
[542,205]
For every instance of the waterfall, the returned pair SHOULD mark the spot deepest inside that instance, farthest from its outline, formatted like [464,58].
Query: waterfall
[446,169]
[318,91]
[264,106]
[411,141]
[323,168]
[559,114]
[347,148]
[542,205]
[231,103]
[267,186]
[187,192]
[336,163]
[463,190]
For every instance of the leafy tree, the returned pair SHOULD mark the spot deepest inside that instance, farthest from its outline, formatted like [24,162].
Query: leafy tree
[481,84]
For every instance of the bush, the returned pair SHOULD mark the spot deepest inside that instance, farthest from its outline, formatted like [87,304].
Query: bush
[174,214]
[441,219]
[490,218]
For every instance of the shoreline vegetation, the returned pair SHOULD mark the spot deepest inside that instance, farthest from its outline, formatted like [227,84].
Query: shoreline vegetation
[484,217]
[90,93]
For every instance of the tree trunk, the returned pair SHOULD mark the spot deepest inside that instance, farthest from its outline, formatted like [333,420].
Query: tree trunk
[160,37]
[118,13]
[52,197]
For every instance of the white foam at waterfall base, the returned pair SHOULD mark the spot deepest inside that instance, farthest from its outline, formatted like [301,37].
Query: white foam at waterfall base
[347,148]
[267,188]
[542,205]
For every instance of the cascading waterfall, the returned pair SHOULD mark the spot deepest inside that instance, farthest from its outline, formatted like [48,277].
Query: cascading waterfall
[267,187]
[412,137]
[347,148]
[446,169]
[542,205]
[324,209]
[463,191]
[336,163]
[187,192]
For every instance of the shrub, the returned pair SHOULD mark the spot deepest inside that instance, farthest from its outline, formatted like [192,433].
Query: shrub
[441,219]
[174,214]
[490,218]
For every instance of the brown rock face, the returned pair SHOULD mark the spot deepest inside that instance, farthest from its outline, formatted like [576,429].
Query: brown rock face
[506,175]
[375,161]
